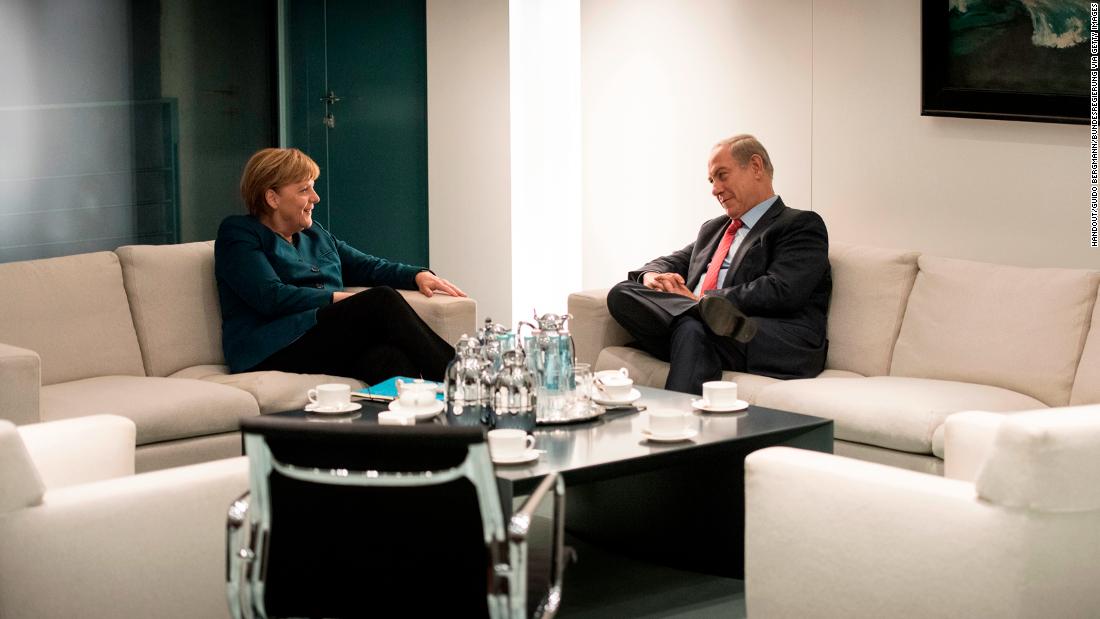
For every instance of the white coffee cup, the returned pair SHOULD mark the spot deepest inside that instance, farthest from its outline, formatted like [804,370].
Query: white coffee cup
[668,421]
[508,443]
[602,374]
[330,396]
[616,386]
[416,394]
[720,394]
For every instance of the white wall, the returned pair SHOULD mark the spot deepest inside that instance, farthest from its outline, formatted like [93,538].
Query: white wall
[997,191]
[662,81]
[830,86]
[469,190]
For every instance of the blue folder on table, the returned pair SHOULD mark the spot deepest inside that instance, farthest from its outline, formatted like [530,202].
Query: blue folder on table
[387,389]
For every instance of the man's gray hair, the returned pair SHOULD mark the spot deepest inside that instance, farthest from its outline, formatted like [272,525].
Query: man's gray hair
[743,147]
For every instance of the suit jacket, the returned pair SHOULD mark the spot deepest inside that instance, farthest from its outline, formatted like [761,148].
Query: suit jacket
[779,276]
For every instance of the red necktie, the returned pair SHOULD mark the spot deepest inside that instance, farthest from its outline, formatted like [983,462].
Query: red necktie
[710,282]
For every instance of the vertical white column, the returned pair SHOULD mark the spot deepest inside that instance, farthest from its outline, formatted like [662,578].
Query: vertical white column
[469,210]
[544,44]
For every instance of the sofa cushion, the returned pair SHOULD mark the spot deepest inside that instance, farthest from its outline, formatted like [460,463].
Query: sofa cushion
[1086,384]
[174,301]
[72,311]
[163,409]
[651,372]
[870,290]
[838,374]
[1012,327]
[888,411]
[274,391]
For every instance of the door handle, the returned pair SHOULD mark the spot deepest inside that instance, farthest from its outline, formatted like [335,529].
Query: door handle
[329,100]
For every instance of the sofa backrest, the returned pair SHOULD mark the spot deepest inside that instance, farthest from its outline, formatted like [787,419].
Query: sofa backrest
[870,290]
[1018,328]
[174,301]
[1086,385]
[73,312]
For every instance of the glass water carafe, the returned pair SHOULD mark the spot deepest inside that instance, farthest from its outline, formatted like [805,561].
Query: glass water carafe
[550,358]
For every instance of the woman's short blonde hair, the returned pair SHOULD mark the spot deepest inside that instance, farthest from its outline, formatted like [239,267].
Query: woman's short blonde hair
[272,168]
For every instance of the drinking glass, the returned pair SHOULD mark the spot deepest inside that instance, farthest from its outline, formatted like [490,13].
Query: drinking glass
[582,394]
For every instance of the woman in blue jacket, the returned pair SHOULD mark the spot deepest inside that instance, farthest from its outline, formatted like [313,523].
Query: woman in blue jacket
[281,279]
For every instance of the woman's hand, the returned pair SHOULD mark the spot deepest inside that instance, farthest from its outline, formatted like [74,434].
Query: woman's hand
[428,284]
[340,295]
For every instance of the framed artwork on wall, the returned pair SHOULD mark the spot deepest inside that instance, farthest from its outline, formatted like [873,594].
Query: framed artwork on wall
[1006,59]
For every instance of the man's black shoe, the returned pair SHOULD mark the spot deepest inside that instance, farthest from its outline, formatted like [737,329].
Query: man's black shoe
[725,319]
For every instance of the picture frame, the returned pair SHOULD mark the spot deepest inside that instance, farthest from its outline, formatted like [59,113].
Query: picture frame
[1002,73]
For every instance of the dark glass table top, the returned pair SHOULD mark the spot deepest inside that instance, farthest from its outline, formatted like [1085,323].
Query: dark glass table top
[613,444]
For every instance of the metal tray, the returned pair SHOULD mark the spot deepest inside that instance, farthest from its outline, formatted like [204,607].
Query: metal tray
[594,412]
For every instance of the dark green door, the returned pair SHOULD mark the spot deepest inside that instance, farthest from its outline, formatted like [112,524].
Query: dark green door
[357,93]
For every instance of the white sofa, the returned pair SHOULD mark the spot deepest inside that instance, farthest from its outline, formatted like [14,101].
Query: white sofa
[82,536]
[912,339]
[1015,534]
[137,332]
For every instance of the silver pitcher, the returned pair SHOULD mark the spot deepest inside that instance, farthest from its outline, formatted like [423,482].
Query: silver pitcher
[515,393]
[550,357]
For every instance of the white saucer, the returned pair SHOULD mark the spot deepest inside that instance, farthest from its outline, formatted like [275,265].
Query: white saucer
[603,399]
[528,456]
[702,405]
[329,410]
[422,412]
[669,438]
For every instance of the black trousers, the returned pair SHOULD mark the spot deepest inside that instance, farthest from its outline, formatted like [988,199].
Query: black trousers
[371,336]
[668,326]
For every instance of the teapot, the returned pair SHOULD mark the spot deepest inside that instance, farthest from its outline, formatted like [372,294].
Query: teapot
[495,340]
[462,383]
[515,393]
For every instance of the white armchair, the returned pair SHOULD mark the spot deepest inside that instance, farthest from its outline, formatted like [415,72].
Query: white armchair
[82,536]
[1015,534]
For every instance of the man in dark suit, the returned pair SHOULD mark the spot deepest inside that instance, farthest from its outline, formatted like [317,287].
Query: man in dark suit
[750,294]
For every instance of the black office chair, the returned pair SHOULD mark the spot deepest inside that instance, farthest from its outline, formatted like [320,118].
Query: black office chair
[361,520]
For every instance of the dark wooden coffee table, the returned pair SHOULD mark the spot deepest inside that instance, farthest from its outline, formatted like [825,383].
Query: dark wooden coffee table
[679,504]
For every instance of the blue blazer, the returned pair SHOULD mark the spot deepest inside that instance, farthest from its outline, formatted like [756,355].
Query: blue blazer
[270,289]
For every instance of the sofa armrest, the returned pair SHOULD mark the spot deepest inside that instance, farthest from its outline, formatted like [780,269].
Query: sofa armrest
[450,317]
[827,536]
[20,383]
[149,545]
[81,450]
[967,441]
[592,326]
